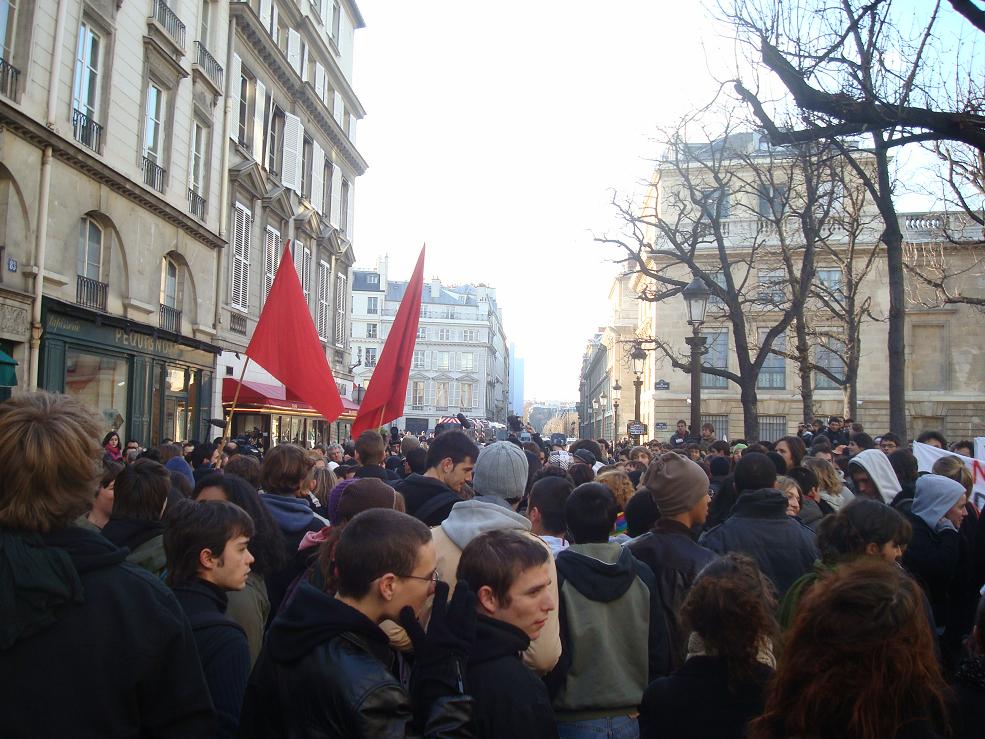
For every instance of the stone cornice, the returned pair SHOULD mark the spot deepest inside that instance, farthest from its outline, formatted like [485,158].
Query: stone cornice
[91,165]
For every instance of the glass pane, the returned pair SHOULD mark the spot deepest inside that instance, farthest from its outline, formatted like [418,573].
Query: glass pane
[100,382]
[192,406]
[155,408]
[8,14]
[176,380]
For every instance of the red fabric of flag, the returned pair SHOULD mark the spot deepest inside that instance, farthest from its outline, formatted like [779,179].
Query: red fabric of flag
[286,344]
[384,399]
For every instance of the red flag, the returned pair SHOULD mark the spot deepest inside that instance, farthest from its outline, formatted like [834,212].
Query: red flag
[384,399]
[286,344]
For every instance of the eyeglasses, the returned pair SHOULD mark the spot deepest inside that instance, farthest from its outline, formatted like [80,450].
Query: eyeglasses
[433,577]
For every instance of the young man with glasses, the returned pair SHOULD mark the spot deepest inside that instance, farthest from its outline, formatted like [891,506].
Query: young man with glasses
[326,668]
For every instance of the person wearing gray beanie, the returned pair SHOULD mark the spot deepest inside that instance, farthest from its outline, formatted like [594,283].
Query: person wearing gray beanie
[676,483]
[500,473]
[407,443]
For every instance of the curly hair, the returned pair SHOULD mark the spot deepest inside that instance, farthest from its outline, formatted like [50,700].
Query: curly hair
[859,660]
[731,606]
[619,483]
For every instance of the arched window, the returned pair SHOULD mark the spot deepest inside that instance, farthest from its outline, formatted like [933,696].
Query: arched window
[90,250]
[169,283]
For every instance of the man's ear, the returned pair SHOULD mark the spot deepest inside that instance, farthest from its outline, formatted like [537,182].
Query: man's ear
[387,586]
[487,601]
[206,561]
[446,465]
[533,514]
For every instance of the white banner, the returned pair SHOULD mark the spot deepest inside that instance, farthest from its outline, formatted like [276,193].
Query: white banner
[980,447]
[926,456]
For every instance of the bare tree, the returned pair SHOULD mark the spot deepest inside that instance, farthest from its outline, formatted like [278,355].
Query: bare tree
[743,218]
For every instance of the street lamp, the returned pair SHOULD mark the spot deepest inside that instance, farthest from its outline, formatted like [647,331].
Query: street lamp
[604,406]
[638,357]
[595,414]
[696,299]
[616,390]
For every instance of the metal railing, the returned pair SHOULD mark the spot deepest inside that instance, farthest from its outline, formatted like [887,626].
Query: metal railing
[170,319]
[91,293]
[208,63]
[170,22]
[196,204]
[237,324]
[9,75]
[87,131]
[153,174]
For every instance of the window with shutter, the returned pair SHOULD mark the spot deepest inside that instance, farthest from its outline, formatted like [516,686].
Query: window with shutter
[242,224]
[317,172]
[259,110]
[271,259]
[294,50]
[340,310]
[291,161]
[324,306]
[302,264]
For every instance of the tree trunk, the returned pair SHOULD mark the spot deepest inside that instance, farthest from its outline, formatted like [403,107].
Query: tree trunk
[892,237]
[804,368]
[750,412]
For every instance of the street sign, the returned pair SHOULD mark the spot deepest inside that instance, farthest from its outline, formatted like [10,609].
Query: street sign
[661,385]
[659,426]
[635,428]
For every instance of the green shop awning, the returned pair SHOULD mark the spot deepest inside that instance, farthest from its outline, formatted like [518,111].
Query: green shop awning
[8,373]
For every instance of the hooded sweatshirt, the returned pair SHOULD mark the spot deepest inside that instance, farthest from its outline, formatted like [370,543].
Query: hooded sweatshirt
[876,463]
[467,520]
[936,495]
[610,608]
[144,539]
[294,518]
[180,464]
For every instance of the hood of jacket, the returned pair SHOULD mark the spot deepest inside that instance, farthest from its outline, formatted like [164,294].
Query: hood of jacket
[180,464]
[39,574]
[199,596]
[935,495]
[293,515]
[131,532]
[470,518]
[600,572]
[495,639]
[810,512]
[876,463]
[762,503]
[312,618]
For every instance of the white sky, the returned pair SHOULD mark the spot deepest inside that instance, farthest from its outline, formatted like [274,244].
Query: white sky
[495,131]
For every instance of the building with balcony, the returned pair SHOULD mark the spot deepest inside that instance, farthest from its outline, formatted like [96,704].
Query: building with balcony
[291,166]
[154,158]
[945,373]
[461,361]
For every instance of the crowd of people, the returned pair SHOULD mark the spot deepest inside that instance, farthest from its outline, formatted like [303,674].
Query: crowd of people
[814,587]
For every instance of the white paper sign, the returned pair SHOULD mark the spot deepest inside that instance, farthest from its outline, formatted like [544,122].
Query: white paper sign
[926,456]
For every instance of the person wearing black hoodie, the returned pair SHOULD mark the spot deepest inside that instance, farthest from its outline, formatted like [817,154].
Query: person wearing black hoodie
[326,668]
[207,547]
[759,526]
[450,461]
[140,497]
[90,644]
[510,575]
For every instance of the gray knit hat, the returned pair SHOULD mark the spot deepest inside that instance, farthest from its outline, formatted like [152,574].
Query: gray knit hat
[675,483]
[407,443]
[501,471]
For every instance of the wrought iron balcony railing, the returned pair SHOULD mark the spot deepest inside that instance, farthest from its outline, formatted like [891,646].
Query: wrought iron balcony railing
[208,63]
[196,204]
[91,293]
[153,174]
[170,22]
[87,131]
[170,319]
[9,75]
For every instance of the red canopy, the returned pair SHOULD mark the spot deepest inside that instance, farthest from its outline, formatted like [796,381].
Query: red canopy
[266,394]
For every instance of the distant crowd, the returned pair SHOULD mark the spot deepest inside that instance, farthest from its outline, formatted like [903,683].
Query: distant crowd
[818,586]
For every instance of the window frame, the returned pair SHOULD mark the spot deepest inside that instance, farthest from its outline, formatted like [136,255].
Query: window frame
[83,252]
[714,382]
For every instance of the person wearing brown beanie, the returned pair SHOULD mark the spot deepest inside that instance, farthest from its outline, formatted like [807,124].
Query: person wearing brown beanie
[679,489]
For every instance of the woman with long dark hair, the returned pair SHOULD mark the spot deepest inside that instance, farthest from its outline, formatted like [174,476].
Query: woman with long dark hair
[249,607]
[859,662]
[722,683]
[111,446]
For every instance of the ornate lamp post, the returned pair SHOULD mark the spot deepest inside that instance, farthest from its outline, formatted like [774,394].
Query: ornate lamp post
[638,357]
[616,390]
[696,299]
[595,415]
[603,404]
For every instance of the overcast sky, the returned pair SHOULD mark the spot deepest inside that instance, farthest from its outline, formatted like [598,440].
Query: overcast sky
[496,132]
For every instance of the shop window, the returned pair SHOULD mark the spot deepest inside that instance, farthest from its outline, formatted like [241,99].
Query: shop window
[100,382]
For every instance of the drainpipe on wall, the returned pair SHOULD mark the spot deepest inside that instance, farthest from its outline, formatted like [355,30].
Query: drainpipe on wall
[39,250]
[227,109]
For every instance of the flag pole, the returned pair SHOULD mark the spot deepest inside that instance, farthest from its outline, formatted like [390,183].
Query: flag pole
[239,385]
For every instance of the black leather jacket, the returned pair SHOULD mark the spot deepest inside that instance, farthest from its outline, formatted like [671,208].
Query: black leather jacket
[325,671]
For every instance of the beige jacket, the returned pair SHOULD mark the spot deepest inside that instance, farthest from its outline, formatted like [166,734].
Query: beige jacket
[467,520]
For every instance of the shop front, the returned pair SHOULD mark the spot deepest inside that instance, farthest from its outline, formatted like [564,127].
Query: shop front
[147,385]
[269,414]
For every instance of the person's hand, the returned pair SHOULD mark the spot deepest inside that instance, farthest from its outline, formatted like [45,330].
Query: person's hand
[451,629]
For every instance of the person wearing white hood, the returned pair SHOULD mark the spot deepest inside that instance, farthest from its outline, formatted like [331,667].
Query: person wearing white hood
[499,480]
[934,552]
[873,476]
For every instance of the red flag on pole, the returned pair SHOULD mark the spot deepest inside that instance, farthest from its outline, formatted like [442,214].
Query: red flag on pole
[286,344]
[384,399]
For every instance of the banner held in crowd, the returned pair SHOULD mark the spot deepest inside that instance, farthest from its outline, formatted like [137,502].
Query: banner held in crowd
[286,343]
[926,456]
[385,396]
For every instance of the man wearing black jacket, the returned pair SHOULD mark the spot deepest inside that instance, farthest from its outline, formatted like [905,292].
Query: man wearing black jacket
[90,644]
[206,544]
[326,668]
[140,497]
[450,460]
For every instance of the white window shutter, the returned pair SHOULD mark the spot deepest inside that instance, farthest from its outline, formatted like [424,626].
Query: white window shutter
[265,13]
[334,216]
[273,23]
[235,72]
[317,175]
[294,49]
[291,160]
[298,248]
[337,107]
[306,267]
[258,127]
[302,70]
[271,255]
[320,81]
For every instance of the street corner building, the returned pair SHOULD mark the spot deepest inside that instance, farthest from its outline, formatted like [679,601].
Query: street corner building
[154,159]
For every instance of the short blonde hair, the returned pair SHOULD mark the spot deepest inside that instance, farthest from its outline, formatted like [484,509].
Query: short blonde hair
[955,469]
[827,475]
[50,467]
